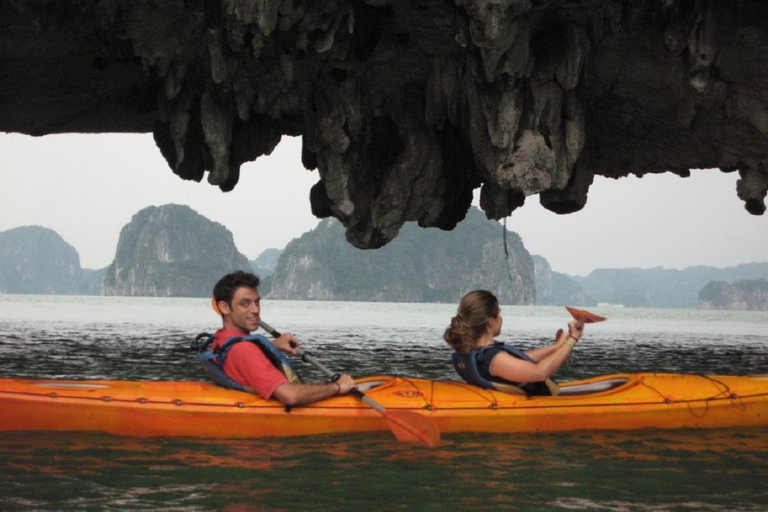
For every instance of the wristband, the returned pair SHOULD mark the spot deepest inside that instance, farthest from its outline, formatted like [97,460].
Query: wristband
[338,386]
[569,344]
[574,337]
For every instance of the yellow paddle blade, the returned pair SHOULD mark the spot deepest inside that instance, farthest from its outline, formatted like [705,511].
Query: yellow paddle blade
[412,427]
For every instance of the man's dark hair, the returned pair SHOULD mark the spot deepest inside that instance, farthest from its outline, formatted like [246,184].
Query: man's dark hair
[225,288]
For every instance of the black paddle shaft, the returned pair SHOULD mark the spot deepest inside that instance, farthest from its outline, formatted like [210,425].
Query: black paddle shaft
[406,425]
[309,358]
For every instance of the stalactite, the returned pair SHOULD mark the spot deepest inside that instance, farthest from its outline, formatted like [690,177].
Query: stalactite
[407,106]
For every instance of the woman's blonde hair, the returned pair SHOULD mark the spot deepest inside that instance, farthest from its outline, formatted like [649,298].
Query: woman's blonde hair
[471,320]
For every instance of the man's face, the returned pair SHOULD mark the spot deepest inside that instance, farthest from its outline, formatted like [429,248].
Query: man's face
[243,312]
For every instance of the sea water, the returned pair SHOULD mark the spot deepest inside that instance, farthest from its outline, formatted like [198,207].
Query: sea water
[149,339]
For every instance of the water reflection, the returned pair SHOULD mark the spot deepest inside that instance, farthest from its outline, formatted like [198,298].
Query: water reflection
[667,470]
[138,339]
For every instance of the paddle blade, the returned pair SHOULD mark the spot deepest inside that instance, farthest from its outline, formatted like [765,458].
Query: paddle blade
[412,427]
[584,316]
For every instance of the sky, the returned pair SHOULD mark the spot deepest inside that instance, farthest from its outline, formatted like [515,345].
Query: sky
[87,187]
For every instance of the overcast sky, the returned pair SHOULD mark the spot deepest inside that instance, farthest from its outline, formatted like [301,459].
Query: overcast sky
[87,187]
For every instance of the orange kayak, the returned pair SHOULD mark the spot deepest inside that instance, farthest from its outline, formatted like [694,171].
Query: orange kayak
[198,409]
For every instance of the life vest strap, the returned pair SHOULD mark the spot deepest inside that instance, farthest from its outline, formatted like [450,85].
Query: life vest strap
[213,360]
[466,366]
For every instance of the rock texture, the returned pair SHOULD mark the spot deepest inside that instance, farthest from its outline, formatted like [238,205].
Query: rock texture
[37,260]
[265,263]
[749,295]
[419,266]
[171,251]
[557,289]
[660,287]
[406,106]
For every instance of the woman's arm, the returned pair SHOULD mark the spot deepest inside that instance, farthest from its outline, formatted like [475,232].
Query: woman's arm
[513,369]
[510,368]
[538,354]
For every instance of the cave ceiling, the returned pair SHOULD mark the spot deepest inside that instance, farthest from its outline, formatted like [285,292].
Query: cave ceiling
[405,106]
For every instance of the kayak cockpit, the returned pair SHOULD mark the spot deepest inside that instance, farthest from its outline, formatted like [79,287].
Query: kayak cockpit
[69,385]
[591,388]
[369,385]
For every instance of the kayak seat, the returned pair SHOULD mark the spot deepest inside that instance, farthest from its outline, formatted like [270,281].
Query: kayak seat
[592,387]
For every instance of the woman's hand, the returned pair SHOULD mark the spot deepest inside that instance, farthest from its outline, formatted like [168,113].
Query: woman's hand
[575,330]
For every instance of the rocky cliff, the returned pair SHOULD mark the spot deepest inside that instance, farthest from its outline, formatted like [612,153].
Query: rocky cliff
[265,263]
[661,287]
[406,106]
[171,251]
[419,266]
[36,260]
[557,289]
[750,295]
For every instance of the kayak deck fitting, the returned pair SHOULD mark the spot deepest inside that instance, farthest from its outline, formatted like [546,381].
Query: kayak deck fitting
[199,409]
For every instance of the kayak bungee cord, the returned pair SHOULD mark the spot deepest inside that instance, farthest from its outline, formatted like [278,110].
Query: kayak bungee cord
[725,392]
[407,426]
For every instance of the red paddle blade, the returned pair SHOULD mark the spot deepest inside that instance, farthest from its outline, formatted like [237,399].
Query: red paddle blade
[412,427]
[584,316]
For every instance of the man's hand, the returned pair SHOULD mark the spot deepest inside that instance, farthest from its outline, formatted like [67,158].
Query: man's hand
[346,383]
[287,343]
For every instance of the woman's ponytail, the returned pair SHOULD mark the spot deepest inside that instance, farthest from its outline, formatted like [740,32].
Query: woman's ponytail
[471,320]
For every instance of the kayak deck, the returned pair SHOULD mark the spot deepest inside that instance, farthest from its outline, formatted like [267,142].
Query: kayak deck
[198,409]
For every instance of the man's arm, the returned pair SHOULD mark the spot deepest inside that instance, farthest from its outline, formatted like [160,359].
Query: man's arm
[295,394]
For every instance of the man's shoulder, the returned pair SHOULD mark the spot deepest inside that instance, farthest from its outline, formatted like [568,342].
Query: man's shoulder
[246,349]
[223,335]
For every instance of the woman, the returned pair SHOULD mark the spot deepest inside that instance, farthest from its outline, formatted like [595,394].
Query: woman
[482,361]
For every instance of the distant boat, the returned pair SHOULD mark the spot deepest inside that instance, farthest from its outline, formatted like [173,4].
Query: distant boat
[609,305]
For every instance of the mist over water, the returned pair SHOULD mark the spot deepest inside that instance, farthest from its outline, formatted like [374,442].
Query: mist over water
[149,339]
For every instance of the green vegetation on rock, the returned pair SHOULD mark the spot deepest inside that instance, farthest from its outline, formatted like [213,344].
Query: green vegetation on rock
[420,265]
[36,260]
[171,251]
[557,289]
[265,263]
[660,287]
[749,295]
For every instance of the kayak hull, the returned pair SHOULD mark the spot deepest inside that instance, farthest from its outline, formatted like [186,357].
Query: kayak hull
[196,409]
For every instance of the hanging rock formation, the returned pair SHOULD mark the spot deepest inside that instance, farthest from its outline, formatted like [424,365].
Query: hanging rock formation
[406,106]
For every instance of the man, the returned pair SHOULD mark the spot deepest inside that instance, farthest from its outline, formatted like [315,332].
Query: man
[237,298]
